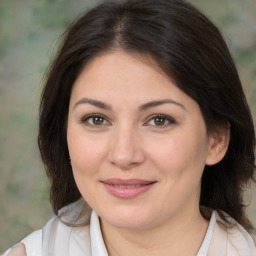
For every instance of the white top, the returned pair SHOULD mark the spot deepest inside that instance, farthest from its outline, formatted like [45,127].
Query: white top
[56,238]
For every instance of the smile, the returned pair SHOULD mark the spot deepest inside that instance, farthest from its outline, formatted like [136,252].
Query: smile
[127,189]
[126,186]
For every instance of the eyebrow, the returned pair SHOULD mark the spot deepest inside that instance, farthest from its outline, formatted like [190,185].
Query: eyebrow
[156,103]
[95,103]
[143,107]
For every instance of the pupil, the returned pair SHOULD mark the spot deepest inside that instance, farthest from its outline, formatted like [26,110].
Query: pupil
[159,121]
[98,120]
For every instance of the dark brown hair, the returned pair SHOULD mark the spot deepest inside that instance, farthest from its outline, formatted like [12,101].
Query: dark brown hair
[192,52]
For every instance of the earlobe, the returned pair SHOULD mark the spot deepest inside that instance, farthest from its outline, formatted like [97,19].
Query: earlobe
[218,145]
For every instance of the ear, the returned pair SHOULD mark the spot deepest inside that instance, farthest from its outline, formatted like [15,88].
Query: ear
[218,145]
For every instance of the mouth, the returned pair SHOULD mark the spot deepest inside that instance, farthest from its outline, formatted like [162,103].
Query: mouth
[127,189]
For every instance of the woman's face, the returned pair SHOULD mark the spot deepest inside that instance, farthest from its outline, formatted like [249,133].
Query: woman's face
[137,143]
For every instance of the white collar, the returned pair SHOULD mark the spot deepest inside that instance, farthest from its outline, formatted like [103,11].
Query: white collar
[208,237]
[98,247]
[97,244]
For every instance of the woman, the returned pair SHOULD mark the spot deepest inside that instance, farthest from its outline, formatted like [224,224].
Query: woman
[146,137]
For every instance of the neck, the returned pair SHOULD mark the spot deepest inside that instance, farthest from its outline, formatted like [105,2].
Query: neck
[169,239]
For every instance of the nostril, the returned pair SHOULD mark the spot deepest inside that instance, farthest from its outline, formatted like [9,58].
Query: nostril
[124,164]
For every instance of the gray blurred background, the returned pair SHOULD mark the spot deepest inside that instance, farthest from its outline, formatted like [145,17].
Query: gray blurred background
[29,31]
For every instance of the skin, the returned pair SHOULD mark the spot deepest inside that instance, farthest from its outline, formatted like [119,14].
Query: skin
[127,141]
[18,250]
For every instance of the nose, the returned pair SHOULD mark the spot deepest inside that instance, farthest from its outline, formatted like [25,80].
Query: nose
[126,151]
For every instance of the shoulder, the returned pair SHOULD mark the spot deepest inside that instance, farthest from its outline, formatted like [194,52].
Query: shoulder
[68,230]
[18,250]
[33,243]
[234,240]
[30,245]
[240,242]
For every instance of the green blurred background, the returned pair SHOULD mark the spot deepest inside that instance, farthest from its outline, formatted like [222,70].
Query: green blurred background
[29,32]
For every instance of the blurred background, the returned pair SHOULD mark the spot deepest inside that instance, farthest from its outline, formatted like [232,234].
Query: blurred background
[29,32]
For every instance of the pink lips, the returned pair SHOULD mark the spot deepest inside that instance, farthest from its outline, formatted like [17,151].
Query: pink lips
[127,189]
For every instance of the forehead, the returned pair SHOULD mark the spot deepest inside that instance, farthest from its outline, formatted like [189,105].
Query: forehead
[122,79]
[121,70]
[124,62]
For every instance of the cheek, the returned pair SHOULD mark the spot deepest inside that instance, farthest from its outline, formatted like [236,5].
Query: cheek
[85,152]
[169,149]
[86,155]
[179,154]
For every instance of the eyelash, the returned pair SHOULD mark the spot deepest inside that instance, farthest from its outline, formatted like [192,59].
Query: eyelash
[85,119]
[161,116]
[170,120]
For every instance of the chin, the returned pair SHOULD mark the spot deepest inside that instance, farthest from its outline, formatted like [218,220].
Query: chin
[126,218]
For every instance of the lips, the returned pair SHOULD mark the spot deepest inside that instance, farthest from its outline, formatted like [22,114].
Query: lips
[127,189]
[126,186]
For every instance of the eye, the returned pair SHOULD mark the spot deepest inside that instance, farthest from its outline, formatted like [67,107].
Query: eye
[95,120]
[160,120]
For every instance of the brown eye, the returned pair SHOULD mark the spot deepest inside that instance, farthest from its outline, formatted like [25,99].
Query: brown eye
[159,121]
[97,120]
